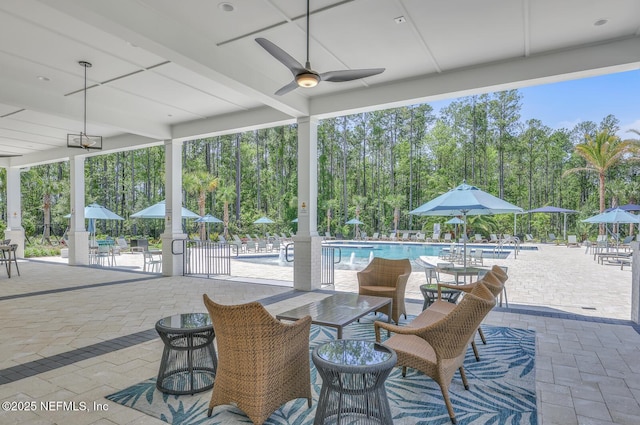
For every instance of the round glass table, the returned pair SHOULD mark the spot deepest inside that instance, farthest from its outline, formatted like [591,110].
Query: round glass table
[430,294]
[353,374]
[189,358]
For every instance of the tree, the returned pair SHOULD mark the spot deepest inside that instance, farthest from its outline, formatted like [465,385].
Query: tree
[226,194]
[395,202]
[200,183]
[359,201]
[601,152]
[330,204]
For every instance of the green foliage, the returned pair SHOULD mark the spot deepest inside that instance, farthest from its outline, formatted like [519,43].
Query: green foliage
[384,162]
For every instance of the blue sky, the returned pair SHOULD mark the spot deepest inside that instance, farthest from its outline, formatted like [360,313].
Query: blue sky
[568,103]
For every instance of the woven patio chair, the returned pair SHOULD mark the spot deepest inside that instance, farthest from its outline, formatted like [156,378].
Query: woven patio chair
[438,349]
[386,278]
[262,363]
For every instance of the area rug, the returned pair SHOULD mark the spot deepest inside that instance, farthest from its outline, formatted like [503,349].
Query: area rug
[502,388]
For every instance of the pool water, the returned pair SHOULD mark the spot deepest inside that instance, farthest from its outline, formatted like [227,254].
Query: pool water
[412,251]
[356,255]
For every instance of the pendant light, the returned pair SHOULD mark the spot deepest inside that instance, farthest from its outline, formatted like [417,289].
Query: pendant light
[83,140]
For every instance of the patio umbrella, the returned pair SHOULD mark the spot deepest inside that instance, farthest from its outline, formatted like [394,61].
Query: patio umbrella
[615,216]
[94,212]
[456,221]
[357,223]
[159,211]
[627,207]
[465,200]
[551,209]
[263,220]
[208,218]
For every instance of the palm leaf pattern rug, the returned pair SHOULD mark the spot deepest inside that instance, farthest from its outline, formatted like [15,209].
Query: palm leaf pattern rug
[502,388]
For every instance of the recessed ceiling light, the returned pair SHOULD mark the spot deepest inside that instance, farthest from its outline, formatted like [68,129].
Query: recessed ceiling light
[400,20]
[226,7]
[43,78]
[600,22]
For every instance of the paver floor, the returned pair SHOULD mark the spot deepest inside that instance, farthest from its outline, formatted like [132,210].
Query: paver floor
[587,369]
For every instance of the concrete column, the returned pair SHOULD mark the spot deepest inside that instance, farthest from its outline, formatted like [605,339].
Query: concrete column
[635,282]
[308,245]
[78,235]
[14,230]
[172,264]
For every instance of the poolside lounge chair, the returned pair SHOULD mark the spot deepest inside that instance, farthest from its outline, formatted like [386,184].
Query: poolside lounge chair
[121,246]
[239,244]
[420,237]
[405,236]
[572,240]
[552,238]
[493,238]
[435,237]
[479,239]
[626,242]
[528,237]
[476,257]
[393,236]
[374,237]
[447,237]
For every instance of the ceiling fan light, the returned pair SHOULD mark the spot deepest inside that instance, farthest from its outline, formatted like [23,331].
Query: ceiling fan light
[307,79]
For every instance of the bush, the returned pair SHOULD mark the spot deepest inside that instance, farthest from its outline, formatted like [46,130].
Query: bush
[35,251]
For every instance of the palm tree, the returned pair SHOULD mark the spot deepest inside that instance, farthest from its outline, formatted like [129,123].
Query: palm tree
[395,202]
[226,194]
[330,204]
[359,202]
[601,152]
[200,183]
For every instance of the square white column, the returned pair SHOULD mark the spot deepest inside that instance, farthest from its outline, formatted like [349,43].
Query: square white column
[172,264]
[78,235]
[14,230]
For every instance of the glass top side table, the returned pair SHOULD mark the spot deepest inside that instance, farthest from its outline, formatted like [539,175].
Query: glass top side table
[189,360]
[353,374]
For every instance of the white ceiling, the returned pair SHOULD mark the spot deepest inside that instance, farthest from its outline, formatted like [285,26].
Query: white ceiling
[167,69]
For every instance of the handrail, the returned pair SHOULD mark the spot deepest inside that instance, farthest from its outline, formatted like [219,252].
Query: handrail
[286,252]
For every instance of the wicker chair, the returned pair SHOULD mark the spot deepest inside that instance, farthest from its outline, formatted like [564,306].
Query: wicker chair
[438,349]
[262,363]
[386,278]
[494,281]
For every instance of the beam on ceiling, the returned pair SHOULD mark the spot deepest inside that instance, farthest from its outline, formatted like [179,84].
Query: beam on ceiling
[156,33]
[582,62]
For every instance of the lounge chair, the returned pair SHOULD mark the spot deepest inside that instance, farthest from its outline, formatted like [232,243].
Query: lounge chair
[528,237]
[572,240]
[552,238]
[493,238]
[438,349]
[405,236]
[239,244]
[262,362]
[447,237]
[626,242]
[121,246]
[479,239]
[393,236]
[374,237]
[476,257]
[420,237]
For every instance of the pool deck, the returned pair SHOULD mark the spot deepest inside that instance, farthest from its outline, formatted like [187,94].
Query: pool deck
[80,333]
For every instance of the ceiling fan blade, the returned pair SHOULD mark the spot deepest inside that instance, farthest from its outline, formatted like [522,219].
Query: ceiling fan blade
[294,66]
[349,74]
[286,89]
[2,155]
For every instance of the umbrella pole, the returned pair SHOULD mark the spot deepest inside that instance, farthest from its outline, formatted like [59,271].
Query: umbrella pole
[464,241]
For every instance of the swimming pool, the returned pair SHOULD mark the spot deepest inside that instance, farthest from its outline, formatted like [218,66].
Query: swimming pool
[412,251]
[356,254]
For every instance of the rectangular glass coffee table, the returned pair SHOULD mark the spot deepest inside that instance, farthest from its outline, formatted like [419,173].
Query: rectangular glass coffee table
[338,310]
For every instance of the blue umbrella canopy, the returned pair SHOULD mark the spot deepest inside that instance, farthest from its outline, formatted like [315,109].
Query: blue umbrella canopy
[551,209]
[627,207]
[159,211]
[95,211]
[454,220]
[354,221]
[465,200]
[264,220]
[614,216]
[208,218]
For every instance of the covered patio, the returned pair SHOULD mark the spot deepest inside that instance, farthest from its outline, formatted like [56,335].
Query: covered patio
[164,73]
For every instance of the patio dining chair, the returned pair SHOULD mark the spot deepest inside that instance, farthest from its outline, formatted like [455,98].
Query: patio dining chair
[262,362]
[386,278]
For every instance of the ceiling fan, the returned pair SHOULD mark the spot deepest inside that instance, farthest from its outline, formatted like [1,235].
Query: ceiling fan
[304,76]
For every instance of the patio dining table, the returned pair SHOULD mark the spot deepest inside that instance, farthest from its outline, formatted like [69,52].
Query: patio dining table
[457,272]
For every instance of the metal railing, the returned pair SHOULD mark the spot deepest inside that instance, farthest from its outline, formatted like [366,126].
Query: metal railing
[203,258]
[327,265]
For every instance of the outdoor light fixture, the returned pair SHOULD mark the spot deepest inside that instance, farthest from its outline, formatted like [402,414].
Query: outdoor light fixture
[307,79]
[83,140]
